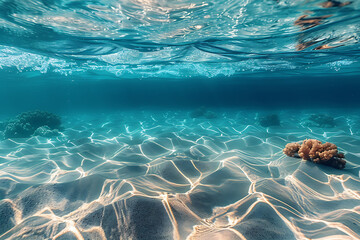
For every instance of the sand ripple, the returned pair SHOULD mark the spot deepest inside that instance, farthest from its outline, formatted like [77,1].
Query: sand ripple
[142,175]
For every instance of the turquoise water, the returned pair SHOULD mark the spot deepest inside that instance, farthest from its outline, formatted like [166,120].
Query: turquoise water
[177,39]
[168,119]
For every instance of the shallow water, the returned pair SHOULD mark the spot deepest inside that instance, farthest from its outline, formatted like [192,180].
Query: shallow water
[174,117]
[176,39]
[165,175]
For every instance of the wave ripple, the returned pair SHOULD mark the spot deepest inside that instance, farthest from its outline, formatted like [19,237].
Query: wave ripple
[180,38]
[174,177]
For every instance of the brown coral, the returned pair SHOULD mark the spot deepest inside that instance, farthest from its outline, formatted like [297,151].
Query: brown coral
[291,149]
[317,152]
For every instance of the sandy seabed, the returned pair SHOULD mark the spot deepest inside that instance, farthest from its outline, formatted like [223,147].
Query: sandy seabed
[164,175]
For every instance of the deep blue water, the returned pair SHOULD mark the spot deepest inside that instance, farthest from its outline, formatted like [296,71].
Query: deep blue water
[172,116]
[64,94]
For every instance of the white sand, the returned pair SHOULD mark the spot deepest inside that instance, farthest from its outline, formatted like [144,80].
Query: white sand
[163,175]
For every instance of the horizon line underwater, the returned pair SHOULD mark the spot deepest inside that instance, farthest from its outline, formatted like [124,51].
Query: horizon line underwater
[179,120]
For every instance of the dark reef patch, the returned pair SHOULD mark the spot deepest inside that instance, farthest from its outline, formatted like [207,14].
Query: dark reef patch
[321,120]
[269,120]
[203,113]
[27,123]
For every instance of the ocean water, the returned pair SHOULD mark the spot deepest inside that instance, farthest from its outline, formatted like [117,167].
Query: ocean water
[174,116]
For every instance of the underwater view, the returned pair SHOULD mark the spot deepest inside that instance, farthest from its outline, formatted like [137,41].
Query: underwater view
[180,120]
